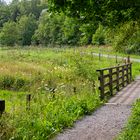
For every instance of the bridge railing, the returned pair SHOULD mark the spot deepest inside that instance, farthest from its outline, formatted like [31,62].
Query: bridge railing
[114,78]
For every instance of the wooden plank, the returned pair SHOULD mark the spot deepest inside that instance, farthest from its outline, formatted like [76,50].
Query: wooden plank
[120,66]
[106,76]
[114,73]
[106,84]
[114,81]
[107,92]
[130,71]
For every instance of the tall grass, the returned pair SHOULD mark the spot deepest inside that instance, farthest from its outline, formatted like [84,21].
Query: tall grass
[63,85]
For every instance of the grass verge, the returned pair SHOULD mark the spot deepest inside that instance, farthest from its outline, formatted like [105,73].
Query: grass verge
[132,130]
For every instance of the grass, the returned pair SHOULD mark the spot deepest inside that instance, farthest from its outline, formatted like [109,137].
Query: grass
[63,85]
[132,130]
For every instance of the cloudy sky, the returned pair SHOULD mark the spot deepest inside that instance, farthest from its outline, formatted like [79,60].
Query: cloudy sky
[8,1]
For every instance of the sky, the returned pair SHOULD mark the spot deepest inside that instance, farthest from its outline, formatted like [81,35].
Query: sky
[8,1]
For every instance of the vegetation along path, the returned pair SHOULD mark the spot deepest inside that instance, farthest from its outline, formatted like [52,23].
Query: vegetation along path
[107,122]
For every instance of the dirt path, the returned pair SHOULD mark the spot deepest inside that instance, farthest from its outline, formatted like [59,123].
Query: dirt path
[108,121]
[119,57]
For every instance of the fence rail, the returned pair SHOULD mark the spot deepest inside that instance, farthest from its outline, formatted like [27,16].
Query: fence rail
[114,78]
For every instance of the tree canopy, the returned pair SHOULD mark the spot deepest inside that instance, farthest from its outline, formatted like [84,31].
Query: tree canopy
[71,22]
[105,11]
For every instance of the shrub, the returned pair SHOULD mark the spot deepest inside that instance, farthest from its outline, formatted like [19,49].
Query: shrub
[87,30]
[7,82]
[12,83]
[123,36]
[99,37]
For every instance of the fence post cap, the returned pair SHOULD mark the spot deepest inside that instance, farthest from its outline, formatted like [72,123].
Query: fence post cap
[1,100]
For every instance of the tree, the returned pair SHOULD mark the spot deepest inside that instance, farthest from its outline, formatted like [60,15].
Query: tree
[26,29]
[70,30]
[33,7]
[9,34]
[4,13]
[105,11]
[14,10]
[49,30]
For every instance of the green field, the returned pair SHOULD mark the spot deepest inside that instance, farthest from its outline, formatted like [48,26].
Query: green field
[63,84]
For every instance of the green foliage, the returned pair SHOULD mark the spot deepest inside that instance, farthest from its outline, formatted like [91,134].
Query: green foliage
[87,30]
[99,36]
[4,13]
[8,82]
[49,29]
[9,34]
[72,22]
[26,29]
[132,130]
[70,29]
[62,84]
[106,11]
[56,29]
[123,37]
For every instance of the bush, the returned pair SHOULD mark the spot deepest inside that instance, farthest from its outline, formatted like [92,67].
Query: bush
[87,30]
[12,83]
[7,82]
[99,37]
[123,36]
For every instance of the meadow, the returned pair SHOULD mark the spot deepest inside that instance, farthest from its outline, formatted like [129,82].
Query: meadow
[63,84]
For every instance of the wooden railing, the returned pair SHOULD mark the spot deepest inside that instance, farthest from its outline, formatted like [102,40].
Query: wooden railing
[114,78]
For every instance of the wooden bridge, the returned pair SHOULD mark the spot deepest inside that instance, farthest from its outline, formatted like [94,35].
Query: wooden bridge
[114,79]
[109,120]
[119,80]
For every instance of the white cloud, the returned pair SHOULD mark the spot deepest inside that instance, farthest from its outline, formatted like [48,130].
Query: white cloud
[8,1]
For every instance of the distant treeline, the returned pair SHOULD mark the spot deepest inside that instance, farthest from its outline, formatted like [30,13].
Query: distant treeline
[75,22]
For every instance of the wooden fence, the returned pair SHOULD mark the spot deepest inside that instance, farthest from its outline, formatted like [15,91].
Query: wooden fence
[114,78]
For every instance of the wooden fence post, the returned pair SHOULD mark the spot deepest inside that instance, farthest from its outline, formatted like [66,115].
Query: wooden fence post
[2,106]
[123,76]
[101,78]
[110,82]
[118,81]
[116,59]
[127,75]
[128,59]
[125,61]
[99,56]
[130,66]
[28,100]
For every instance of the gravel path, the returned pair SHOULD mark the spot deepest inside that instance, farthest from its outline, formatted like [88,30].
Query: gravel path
[107,121]
[113,56]
[104,124]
